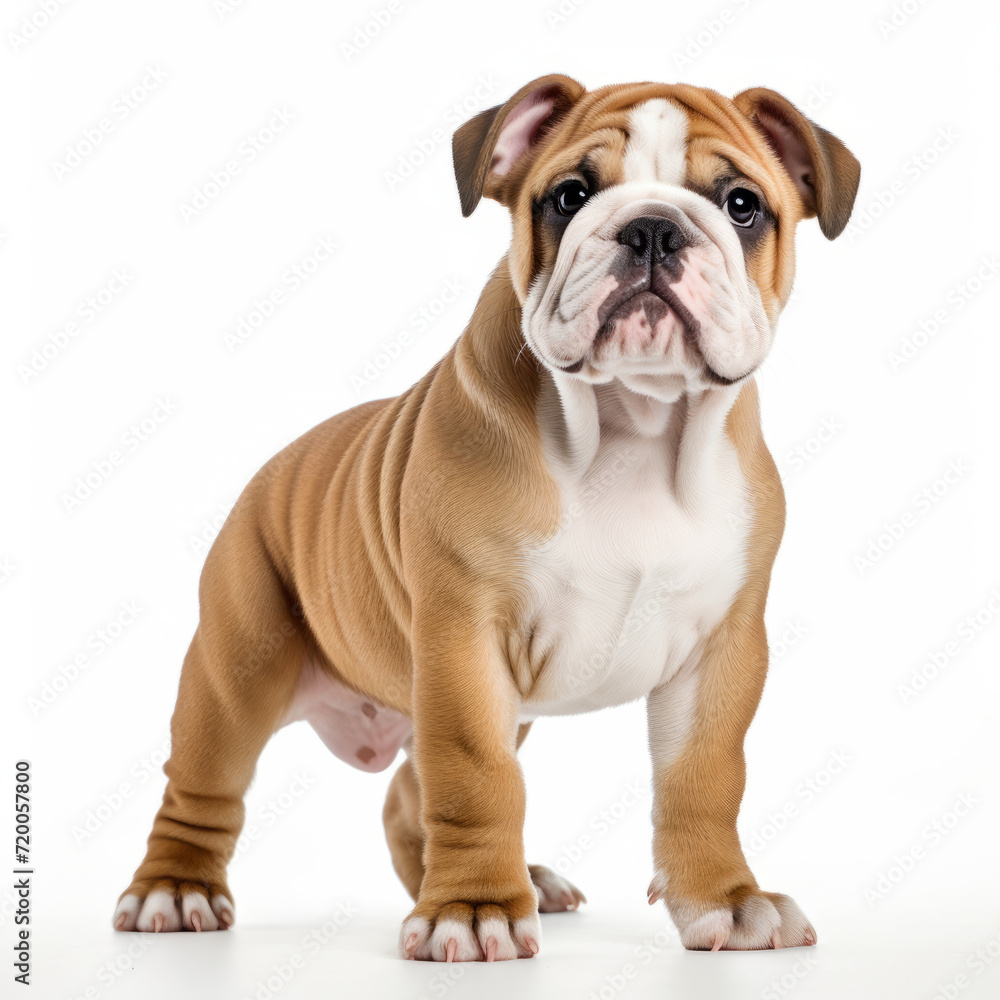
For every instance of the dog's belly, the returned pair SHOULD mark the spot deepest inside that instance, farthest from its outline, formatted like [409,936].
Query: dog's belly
[631,586]
[357,729]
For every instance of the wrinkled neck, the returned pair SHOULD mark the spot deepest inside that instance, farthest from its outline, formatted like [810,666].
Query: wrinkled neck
[579,420]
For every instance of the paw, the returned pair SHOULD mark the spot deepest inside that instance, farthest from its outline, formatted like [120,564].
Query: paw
[555,894]
[748,920]
[461,932]
[174,905]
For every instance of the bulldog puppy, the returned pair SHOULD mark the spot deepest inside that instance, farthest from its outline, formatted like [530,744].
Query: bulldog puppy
[574,509]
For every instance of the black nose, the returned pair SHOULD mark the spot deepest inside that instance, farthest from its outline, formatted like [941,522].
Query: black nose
[653,238]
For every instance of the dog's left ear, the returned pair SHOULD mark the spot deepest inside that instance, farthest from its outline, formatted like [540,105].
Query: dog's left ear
[488,149]
[826,173]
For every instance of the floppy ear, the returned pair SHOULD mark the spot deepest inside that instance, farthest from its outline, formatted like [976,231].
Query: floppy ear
[824,170]
[488,147]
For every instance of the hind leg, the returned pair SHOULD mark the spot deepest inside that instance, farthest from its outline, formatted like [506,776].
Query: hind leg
[236,683]
[401,817]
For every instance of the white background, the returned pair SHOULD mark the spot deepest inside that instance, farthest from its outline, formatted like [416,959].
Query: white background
[846,636]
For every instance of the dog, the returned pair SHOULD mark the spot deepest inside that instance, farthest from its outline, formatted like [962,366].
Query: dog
[574,509]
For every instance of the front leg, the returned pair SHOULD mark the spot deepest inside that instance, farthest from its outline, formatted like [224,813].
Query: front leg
[476,899]
[697,723]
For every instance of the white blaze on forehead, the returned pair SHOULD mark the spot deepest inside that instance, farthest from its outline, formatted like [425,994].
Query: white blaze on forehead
[657,145]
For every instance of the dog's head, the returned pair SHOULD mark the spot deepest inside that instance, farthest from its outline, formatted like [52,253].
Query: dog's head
[653,224]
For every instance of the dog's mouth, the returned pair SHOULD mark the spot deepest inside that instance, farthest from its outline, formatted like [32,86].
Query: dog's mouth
[638,321]
[714,376]
[652,306]
[679,321]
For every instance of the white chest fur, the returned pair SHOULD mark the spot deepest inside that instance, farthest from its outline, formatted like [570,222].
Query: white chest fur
[650,552]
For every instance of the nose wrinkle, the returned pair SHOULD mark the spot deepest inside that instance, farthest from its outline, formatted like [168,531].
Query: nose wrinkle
[656,209]
[578,290]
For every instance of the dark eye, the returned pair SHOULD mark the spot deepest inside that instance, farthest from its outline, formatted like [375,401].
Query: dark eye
[742,206]
[570,196]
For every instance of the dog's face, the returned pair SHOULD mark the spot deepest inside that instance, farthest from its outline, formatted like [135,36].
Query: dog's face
[653,224]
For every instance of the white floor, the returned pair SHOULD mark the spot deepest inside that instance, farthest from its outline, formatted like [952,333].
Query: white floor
[588,954]
[318,906]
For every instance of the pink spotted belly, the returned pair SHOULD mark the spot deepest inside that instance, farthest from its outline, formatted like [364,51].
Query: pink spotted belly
[357,729]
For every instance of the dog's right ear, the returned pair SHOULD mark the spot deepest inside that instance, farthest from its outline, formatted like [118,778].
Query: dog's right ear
[825,172]
[489,149]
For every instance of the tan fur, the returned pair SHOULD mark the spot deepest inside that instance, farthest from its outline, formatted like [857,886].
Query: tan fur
[415,617]
[383,546]
[404,830]
[697,798]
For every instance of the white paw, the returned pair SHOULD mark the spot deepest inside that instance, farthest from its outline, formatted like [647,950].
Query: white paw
[555,894]
[470,934]
[161,911]
[758,921]
[197,914]
[496,941]
[454,941]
